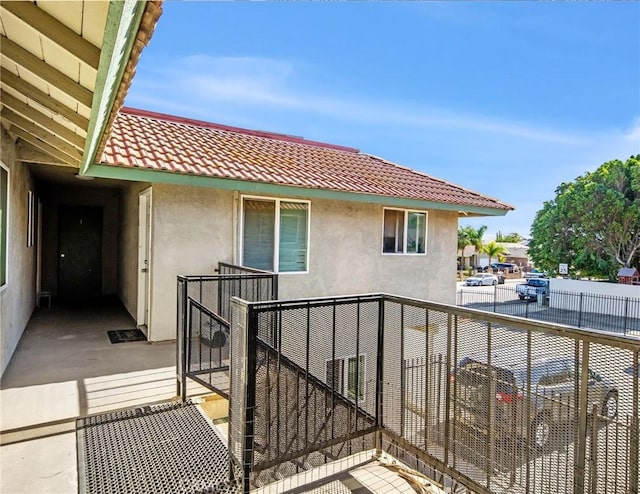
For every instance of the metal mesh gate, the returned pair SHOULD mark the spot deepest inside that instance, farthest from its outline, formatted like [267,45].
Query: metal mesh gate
[204,312]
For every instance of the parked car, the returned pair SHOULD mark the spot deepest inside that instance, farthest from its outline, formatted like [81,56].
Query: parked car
[534,273]
[550,402]
[505,266]
[533,288]
[481,279]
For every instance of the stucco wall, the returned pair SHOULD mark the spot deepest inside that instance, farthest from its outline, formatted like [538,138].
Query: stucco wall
[128,247]
[595,288]
[626,301]
[17,297]
[345,256]
[193,231]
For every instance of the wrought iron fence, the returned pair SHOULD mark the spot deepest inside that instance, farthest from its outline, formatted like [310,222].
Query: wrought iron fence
[479,402]
[204,305]
[582,310]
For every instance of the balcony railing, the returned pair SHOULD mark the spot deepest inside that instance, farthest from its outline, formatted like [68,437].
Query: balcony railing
[204,305]
[476,401]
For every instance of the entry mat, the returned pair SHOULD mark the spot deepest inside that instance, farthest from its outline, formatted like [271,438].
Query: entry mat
[167,448]
[126,335]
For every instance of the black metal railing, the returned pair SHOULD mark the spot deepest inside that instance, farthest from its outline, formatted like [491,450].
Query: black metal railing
[455,393]
[583,310]
[204,309]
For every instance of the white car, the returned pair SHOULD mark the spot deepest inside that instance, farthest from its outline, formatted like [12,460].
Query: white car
[481,279]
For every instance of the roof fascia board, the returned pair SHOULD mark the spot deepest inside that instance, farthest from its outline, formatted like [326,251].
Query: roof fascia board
[155,176]
[123,21]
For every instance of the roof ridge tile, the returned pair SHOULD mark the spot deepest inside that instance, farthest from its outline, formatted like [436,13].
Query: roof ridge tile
[256,133]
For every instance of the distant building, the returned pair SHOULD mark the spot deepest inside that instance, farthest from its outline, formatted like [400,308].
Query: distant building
[516,253]
[629,276]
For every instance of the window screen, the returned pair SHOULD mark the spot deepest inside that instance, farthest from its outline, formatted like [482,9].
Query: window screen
[260,235]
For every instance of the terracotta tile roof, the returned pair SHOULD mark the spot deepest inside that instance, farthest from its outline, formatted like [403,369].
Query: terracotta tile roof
[141,139]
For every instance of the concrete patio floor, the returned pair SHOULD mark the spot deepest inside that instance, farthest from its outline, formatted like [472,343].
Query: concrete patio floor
[65,367]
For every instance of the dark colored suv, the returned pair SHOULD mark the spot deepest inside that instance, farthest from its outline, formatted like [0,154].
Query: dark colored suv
[553,389]
[505,266]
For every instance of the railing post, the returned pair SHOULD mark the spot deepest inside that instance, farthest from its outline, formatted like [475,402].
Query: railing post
[181,364]
[634,456]
[528,416]
[403,376]
[274,287]
[579,484]
[179,376]
[380,377]
[250,396]
[447,392]
[626,315]
[491,400]
[580,311]
[593,454]
[184,350]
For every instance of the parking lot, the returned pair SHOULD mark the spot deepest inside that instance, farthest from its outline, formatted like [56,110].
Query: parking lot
[554,466]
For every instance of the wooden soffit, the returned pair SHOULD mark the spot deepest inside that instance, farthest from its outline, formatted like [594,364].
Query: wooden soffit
[65,69]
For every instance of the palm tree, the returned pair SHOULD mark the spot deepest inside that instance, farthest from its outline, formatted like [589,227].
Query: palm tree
[493,250]
[463,241]
[467,235]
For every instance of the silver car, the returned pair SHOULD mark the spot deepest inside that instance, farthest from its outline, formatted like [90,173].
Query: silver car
[481,279]
[550,403]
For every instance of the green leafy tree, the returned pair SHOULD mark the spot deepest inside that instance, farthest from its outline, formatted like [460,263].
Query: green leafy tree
[593,224]
[512,238]
[493,250]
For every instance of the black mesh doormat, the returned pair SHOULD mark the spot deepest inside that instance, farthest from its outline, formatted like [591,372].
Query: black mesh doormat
[168,448]
[126,335]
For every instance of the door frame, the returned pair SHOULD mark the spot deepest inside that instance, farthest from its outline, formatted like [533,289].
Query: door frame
[144,260]
[66,210]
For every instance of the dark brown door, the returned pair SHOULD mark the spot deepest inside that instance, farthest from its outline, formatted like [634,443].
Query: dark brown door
[79,251]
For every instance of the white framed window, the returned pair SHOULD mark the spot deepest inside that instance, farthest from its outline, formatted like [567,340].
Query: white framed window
[4,222]
[347,376]
[275,234]
[404,231]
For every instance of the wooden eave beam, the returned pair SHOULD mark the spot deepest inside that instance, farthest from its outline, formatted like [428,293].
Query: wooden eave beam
[27,60]
[43,146]
[40,133]
[41,119]
[56,31]
[28,153]
[29,91]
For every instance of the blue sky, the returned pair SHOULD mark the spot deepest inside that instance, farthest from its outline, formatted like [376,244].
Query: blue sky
[509,99]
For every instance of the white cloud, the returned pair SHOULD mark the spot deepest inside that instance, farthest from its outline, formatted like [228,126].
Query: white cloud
[271,83]
[246,80]
[633,132]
